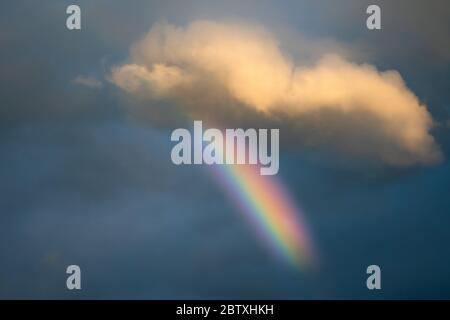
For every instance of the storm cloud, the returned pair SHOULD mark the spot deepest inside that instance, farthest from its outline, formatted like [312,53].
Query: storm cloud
[83,183]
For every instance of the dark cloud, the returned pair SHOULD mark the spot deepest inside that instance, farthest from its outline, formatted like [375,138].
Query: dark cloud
[84,183]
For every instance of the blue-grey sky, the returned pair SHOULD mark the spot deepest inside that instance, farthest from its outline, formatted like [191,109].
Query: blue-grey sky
[86,176]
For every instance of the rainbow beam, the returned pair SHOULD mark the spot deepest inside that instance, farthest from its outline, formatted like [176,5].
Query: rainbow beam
[270,212]
[269,209]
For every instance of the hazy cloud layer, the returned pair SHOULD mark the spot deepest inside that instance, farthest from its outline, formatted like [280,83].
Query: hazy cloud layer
[82,184]
[348,107]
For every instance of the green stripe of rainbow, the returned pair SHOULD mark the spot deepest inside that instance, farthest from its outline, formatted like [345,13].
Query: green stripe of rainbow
[268,207]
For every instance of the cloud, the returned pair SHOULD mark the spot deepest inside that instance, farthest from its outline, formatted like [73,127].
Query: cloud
[88,82]
[160,81]
[238,70]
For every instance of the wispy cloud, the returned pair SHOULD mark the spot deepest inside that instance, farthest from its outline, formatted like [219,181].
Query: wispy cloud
[87,82]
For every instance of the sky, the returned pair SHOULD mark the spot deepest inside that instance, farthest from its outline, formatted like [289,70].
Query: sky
[85,123]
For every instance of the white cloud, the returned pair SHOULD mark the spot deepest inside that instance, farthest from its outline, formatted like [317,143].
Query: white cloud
[333,102]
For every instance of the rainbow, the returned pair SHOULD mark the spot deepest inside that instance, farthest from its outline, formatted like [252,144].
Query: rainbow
[270,211]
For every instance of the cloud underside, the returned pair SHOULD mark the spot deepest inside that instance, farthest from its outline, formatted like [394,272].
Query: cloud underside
[238,73]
